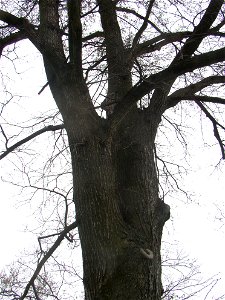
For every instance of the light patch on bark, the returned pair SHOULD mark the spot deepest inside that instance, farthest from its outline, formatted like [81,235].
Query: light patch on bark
[147,253]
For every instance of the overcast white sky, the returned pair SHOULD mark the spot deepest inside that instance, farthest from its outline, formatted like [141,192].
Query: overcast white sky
[193,224]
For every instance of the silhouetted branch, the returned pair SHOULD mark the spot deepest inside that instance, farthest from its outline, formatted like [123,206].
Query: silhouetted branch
[188,93]
[144,25]
[133,12]
[215,127]
[11,39]
[30,137]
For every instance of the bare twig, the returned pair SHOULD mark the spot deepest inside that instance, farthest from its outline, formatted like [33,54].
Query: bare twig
[5,136]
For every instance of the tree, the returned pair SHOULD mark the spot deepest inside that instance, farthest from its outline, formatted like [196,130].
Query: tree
[145,58]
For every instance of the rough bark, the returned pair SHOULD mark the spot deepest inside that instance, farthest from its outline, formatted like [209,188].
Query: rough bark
[120,215]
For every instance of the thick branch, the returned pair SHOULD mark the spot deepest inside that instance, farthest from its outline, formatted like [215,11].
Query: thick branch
[158,101]
[172,72]
[159,98]
[75,35]
[12,20]
[47,256]
[166,38]
[48,38]
[200,31]
[158,42]
[197,61]
[189,91]
[113,38]
[182,63]
[168,75]
[196,87]
[50,33]
[30,137]
[119,79]
[22,24]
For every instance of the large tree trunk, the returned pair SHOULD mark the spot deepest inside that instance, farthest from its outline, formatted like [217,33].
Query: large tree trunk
[119,212]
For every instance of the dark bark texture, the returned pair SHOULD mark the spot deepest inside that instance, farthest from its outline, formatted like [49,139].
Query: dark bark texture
[119,213]
[120,216]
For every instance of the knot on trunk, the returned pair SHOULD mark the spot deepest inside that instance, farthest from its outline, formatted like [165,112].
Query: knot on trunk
[162,212]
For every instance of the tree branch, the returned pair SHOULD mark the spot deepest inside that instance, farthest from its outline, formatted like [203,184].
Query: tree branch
[197,61]
[22,24]
[93,35]
[133,12]
[182,63]
[47,256]
[189,91]
[165,38]
[11,39]
[158,42]
[191,97]
[200,31]
[95,64]
[215,127]
[48,38]
[196,87]
[187,50]
[75,35]
[12,20]
[50,35]
[172,72]
[159,81]
[35,292]
[113,38]
[144,25]
[30,137]
[119,77]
